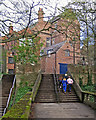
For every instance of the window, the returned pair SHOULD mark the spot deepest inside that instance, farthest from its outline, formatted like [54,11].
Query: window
[55,25]
[48,42]
[30,41]
[21,41]
[67,53]
[10,60]
[10,71]
[53,41]
[41,52]
[70,43]
[49,51]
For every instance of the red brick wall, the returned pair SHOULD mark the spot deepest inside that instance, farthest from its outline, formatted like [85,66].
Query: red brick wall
[61,58]
[10,66]
[50,63]
[43,61]
[44,34]
[47,64]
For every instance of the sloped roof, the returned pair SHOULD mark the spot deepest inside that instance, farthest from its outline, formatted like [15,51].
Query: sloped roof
[53,48]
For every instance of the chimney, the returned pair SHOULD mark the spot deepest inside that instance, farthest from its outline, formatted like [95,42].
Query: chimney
[10,28]
[40,15]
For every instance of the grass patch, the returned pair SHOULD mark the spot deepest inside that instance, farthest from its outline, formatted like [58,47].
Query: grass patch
[19,94]
[26,83]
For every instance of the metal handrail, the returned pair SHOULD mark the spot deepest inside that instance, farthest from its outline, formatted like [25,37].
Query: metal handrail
[9,95]
[83,95]
[1,77]
[76,86]
[55,83]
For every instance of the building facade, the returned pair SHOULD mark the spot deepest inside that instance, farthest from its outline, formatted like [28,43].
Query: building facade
[61,43]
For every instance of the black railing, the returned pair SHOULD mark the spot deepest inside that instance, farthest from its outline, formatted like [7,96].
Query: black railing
[10,94]
[56,85]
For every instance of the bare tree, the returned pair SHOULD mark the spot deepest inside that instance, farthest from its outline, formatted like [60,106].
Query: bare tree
[85,12]
[22,14]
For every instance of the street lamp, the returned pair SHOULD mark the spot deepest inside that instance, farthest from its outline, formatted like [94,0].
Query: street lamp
[74,50]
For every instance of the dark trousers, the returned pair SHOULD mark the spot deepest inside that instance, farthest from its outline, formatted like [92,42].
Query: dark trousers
[70,87]
[64,87]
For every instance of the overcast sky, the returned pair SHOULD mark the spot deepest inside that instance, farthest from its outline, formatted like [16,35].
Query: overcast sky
[48,8]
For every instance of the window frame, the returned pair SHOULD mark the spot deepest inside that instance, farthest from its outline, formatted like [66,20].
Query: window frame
[9,60]
[67,53]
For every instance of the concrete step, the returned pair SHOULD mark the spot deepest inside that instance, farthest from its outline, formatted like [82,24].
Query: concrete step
[45,101]
[45,97]
[46,90]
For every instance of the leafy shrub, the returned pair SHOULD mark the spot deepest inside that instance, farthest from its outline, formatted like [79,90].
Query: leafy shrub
[26,83]
[80,81]
[89,79]
[21,83]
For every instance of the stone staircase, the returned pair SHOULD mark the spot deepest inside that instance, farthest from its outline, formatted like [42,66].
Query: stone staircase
[7,81]
[46,92]
[68,97]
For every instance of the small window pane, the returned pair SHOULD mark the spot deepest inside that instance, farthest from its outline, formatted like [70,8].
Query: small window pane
[11,71]
[10,60]
[48,42]
[67,53]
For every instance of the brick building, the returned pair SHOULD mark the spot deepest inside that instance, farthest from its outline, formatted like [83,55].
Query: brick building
[57,37]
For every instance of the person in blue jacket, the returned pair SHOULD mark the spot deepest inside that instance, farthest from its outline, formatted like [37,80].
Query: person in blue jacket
[64,83]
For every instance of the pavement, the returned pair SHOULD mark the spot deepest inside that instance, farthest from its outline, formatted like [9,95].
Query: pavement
[63,110]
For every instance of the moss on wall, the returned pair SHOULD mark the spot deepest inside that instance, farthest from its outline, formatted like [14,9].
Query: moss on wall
[22,108]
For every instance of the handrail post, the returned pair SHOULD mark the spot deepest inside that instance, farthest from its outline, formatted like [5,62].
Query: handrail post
[82,97]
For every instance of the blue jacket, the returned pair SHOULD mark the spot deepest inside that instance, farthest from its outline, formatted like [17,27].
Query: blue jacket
[64,82]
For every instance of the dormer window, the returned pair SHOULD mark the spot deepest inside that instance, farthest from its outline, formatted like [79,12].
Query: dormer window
[49,51]
[67,53]
[48,41]
[10,60]
[70,43]
[53,41]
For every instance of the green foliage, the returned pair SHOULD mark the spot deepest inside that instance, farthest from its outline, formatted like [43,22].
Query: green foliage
[27,51]
[20,109]
[68,14]
[89,78]
[24,86]
[21,83]
[80,81]
[21,92]
[26,83]
[90,88]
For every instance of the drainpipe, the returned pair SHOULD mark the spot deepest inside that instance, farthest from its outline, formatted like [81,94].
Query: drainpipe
[55,60]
